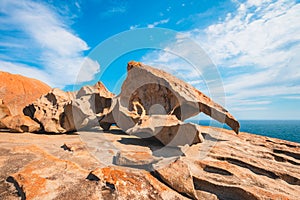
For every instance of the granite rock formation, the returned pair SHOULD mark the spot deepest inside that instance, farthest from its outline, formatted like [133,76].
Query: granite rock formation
[154,103]
[18,91]
[223,166]
[158,92]
[48,110]
[61,112]
[94,102]
[20,124]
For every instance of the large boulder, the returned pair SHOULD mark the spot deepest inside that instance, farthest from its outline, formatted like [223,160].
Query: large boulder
[155,103]
[60,112]
[18,91]
[161,93]
[48,110]
[20,124]
[91,104]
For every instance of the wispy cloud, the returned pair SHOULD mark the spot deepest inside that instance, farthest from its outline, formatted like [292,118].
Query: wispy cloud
[116,7]
[36,37]
[154,24]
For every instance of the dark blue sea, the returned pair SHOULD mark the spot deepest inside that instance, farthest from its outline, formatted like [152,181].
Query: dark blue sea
[282,129]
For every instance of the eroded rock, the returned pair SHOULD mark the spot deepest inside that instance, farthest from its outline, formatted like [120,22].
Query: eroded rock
[159,92]
[135,158]
[60,112]
[168,130]
[90,105]
[223,166]
[226,166]
[20,124]
[178,176]
[128,183]
[49,109]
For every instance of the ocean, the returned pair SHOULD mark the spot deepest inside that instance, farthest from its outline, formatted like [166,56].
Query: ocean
[282,129]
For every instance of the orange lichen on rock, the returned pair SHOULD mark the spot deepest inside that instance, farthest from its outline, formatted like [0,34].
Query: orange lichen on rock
[132,64]
[18,91]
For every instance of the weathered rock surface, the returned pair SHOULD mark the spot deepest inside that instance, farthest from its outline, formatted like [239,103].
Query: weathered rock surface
[4,112]
[60,112]
[161,93]
[178,175]
[142,159]
[154,103]
[168,130]
[223,166]
[48,110]
[36,166]
[227,166]
[94,102]
[125,183]
[20,124]
[18,91]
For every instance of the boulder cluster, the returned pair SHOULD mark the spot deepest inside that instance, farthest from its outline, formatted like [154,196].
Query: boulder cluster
[147,152]
[151,103]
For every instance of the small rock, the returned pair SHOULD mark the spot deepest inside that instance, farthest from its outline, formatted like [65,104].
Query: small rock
[134,158]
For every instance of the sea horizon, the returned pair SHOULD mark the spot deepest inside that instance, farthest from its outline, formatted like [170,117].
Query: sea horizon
[288,130]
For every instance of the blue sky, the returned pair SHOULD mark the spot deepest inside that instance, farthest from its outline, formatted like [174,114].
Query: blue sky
[254,44]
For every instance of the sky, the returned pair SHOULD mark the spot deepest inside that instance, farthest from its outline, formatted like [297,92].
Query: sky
[252,46]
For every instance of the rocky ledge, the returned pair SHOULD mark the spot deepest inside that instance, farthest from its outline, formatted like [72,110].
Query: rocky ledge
[115,165]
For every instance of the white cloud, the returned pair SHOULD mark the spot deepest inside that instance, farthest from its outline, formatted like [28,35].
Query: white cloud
[44,40]
[254,37]
[154,24]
